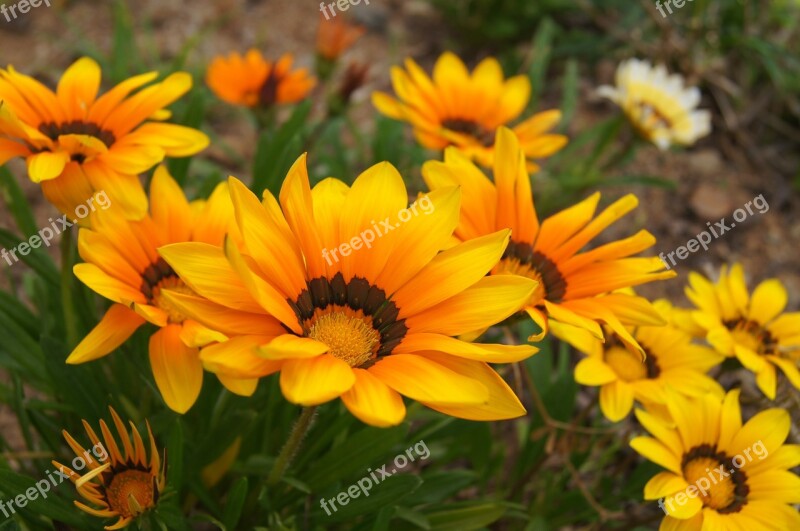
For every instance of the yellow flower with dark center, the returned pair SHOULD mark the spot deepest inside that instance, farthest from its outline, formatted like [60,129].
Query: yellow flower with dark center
[721,474]
[252,81]
[671,360]
[658,105]
[752,328]
[119,484]
[76,143]
[122,264]
[365,306]
[464,110]
[574,287]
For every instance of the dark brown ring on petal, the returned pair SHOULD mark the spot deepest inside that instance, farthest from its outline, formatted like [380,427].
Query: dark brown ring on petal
[555,286]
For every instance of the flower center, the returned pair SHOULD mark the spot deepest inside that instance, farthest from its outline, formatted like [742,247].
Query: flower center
[268,93]
[351,338]
[751,335]
[130,493]
[355,319]
[520,259]
[472,128]
[77,127]
[650,117]
[727,491]
[159,275]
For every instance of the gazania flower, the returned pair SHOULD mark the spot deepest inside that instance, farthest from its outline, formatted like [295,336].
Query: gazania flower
[122,264]
[252,81]
[119,484]
[76,143]
[347,302]
[671,361]
[721,474]
[335,36]
[462,110]
[753,328]
[658,105]
[574,287]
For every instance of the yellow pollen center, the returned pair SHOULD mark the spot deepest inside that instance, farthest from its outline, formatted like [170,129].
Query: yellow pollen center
[721,492]
[628,366]
[350,338]
[135,484]
[513,266]
[172,284]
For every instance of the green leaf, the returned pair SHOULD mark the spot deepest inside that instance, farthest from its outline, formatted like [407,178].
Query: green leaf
[387,493]
[235,503]
[541,49]
[193,117]
[368,448]
[646,180]
[274,150]
[569,98]
[438,486]
[17,204]
[37,259]
[13,485]
[467,516]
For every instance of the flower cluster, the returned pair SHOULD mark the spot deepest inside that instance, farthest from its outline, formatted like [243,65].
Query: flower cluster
[236,285]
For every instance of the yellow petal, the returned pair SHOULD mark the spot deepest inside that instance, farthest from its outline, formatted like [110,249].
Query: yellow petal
[593,371]
[176,368]
[289,346]
[46,166]
[413,343]
[422,379]
[502,403]
[78,87]
[373,402]
[107,286]
[656,452]
[663,484]
[768,301]
[116,326]
[237,358]
[491,300]
[616,400]
[310,382]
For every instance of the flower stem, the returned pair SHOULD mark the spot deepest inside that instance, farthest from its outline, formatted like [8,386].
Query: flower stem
[67,301]
[289,450]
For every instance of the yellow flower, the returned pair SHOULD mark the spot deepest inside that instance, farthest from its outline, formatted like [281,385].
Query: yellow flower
[335,36]
[721,474]
[122,484]
[574,287]
[658,105]
[122,264]
[252,81]
[462,110]
[672,360]
[754,328]
[76,144]
[364,305]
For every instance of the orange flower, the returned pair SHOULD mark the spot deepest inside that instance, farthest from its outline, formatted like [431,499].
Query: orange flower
[252,81]
[335,36]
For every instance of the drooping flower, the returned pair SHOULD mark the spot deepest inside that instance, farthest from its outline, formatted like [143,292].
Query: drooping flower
[365,307]
[122,264]
[721,474]
[464,110]
[335,36]
[77,144]
[118,484]
[252,81]
[671,361]
[657,104]
[752,328]
[575,288]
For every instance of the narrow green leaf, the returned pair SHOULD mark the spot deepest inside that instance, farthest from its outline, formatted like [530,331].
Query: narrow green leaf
[234,505]
[465,518]
[37,259]
[14,198]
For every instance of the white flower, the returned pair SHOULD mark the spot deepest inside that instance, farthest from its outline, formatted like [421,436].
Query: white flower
[658,104]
